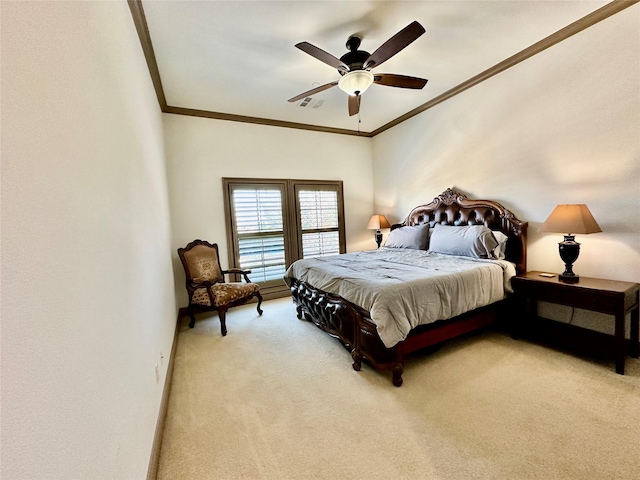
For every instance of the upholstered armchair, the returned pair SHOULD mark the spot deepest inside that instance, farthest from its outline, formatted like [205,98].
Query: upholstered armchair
[206,285]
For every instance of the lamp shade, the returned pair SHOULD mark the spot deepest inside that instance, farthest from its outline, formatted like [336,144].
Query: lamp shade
[377,222]
[574,218]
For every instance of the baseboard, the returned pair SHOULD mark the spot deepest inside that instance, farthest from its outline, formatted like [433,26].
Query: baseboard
[279,293]
[152,471]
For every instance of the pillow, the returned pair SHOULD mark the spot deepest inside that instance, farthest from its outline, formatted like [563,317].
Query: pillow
[409,237]
[500,250]
[469,241]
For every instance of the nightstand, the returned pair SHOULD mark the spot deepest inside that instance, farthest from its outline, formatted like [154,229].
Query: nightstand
[595,294]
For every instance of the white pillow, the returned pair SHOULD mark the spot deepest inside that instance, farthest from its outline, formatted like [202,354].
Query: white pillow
[409,237]
[468,240]
[500,250]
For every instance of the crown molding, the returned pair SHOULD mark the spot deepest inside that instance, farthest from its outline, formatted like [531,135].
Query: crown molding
[140,21]
[579,25]
[261,121]
[585,22]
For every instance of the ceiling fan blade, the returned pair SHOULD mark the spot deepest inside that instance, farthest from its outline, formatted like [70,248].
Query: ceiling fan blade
[313,91]
[396,43]
[354,104]
[322,56]
[402,81]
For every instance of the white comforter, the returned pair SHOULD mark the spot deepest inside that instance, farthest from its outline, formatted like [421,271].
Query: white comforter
[404,288]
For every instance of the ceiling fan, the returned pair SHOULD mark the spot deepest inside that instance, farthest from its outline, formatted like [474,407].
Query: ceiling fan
[355,65]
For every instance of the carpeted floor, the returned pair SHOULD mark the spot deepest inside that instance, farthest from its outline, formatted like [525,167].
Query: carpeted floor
[277,399]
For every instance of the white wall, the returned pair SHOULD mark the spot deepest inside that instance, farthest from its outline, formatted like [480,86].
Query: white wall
[561,127]
[87,282]
[201,151]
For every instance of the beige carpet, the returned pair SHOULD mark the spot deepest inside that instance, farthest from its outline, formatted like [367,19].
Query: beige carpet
[278,399]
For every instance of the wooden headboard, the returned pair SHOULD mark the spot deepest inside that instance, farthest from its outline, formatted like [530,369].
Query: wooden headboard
[454,208]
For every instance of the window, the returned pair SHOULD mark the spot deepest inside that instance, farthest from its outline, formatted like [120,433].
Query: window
[319,224]
[272,223]
[260,232]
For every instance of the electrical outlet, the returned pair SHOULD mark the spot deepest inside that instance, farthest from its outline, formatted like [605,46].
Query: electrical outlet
[157,374]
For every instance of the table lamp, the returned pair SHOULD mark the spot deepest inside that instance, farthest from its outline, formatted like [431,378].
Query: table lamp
[376,223]
[574,218]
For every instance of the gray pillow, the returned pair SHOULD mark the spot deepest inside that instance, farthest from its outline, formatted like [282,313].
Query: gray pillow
[409,237]
[469,241]
[501,249]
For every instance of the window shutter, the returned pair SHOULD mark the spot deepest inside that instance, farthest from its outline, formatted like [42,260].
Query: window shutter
[260,231]
[319,222]
[320,244]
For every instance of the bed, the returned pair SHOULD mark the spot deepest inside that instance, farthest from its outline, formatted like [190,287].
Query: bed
[387,303]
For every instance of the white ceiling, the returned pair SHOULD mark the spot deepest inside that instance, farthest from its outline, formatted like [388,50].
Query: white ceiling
[238,57]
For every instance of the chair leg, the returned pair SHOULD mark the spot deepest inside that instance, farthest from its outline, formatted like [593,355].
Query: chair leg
[257,294]
[222,313]
[192,323]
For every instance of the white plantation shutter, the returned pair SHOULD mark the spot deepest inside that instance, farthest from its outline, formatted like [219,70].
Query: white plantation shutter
[258,210]
[272,223]
[318,209]
[264,256]
[320,244]
[260,232]
[319,222]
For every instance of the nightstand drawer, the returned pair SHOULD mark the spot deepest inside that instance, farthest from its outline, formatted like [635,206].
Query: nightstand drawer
[600,303]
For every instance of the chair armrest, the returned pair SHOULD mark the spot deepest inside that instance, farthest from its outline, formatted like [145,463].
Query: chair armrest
[236,270]
[244,273]
[193,286]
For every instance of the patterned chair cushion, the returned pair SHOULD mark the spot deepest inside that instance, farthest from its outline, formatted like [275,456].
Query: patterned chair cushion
[224,293]
[203,264]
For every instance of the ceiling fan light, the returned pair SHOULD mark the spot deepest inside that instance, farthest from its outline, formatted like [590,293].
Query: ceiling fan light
[356,82]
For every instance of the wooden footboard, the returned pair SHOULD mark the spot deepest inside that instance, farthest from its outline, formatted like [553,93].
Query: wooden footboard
[353,327]
[329,312]
[348,323]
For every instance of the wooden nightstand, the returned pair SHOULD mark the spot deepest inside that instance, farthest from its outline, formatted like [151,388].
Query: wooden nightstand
[595,294]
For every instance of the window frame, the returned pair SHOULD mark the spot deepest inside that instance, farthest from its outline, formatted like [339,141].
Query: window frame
[291,219]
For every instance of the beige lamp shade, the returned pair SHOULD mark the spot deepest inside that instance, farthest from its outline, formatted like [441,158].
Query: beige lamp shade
[377,222]
[575,218]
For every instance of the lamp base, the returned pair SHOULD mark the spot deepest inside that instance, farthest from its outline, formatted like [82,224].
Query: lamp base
[573,278]
[378,238]
[569,251]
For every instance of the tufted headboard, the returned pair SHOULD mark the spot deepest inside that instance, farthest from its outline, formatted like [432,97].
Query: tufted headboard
[454,208]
